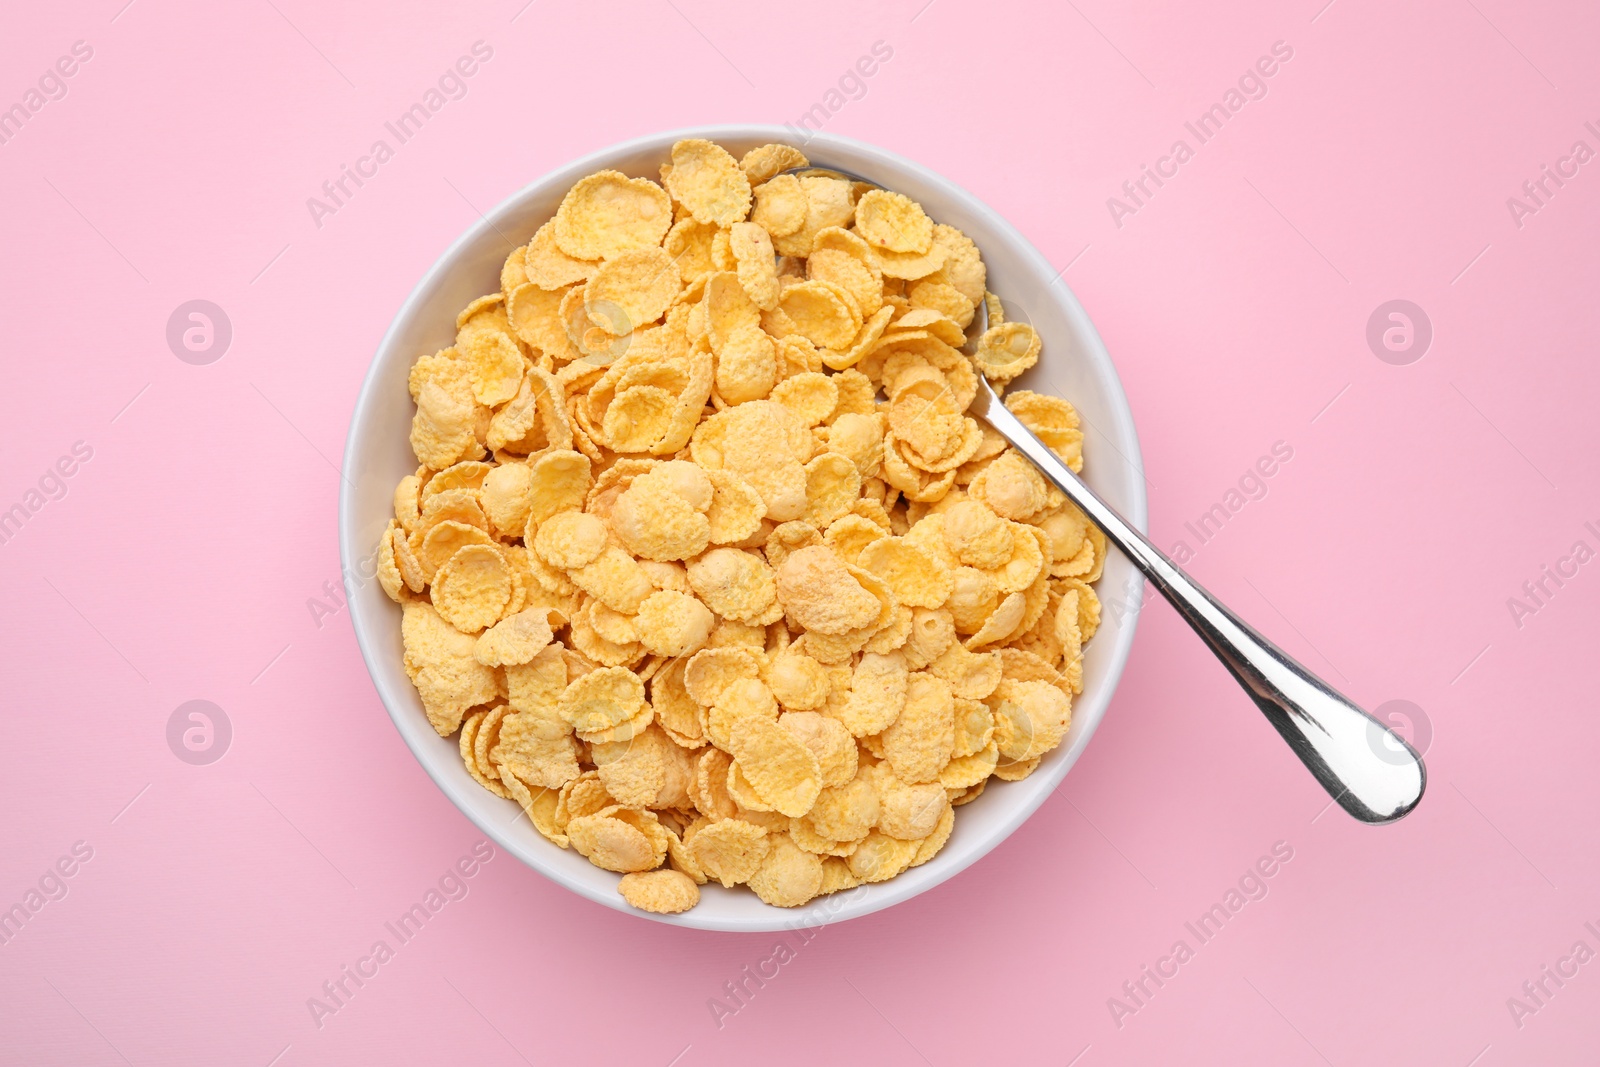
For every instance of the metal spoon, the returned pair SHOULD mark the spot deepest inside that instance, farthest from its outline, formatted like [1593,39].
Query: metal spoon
[1364,765]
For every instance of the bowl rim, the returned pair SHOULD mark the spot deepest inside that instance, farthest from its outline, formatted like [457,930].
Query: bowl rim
[887,894]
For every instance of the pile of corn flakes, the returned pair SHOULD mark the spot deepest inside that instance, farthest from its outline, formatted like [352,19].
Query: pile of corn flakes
[706,561]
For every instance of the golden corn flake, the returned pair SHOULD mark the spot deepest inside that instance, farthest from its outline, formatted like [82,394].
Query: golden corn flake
[623,731]
[676,714]
[829,742]
[643,771]
[974,727]
[1007,350]
[909,266]
[570,539]
[747,366]
[736,508]
[764,444]
[836,876]
[728,308]
[504,499]
[442,431]
[615,579]
[689,245]
[1005,621]
[471,726]
[821,313]
[515,640]
[963,266]
[780,206]
[525,753]
[610,624]
[640,284]
[707,180]
[833,485]
[602,699]
[877,694]
[945,300]
[735,584]
[1030,718]
[704,557]
[880,857]
[535,317]
[755,263]
[799,682]
[663,892]
[742,699]
[818,593]
[536,685]
[545,265]
[806,836]
[673,624]
[916,578]
[389,576]
[708,789]
[789,876]
[608,213]
[1011,487]
[849,535]
[828,204]
[929,635]
[893,222]
[713,670]
[930,846]
[559,482]
[763,163]
[810,396]
[729,850]
[972,675]
[978,537]
[655,523]
[919,742]
[440,662]
[613,843]
[783,771]
[857,276]
[746,800]
[910,812]
[495,360]
[473,587]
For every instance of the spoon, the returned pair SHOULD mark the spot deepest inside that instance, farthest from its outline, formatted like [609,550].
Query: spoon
[1368,769]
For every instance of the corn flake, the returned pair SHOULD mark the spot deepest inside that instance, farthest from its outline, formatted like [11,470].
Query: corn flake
[747,366]
[763,164]
[601,699]
[641,284]
[608,213]
[828,204]
[708,181]
[609,839]
[880,857]
[729,850]
[893,222]
[1007,350]
[789,876]
[673,624]
[784,772]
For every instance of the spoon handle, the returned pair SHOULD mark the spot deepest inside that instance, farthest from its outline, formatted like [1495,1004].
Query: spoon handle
[1366,767]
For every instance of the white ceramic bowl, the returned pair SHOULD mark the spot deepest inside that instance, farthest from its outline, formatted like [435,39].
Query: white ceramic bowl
[377,456]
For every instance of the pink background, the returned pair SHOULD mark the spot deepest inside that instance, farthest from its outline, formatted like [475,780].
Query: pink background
[183,561]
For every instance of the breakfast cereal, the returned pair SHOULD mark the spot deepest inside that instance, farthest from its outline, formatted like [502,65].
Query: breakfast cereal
[706,563]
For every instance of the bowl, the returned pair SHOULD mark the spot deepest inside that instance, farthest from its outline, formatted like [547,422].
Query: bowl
[377,455]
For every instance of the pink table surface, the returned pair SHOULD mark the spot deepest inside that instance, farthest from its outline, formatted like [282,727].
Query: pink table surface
[191,555]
